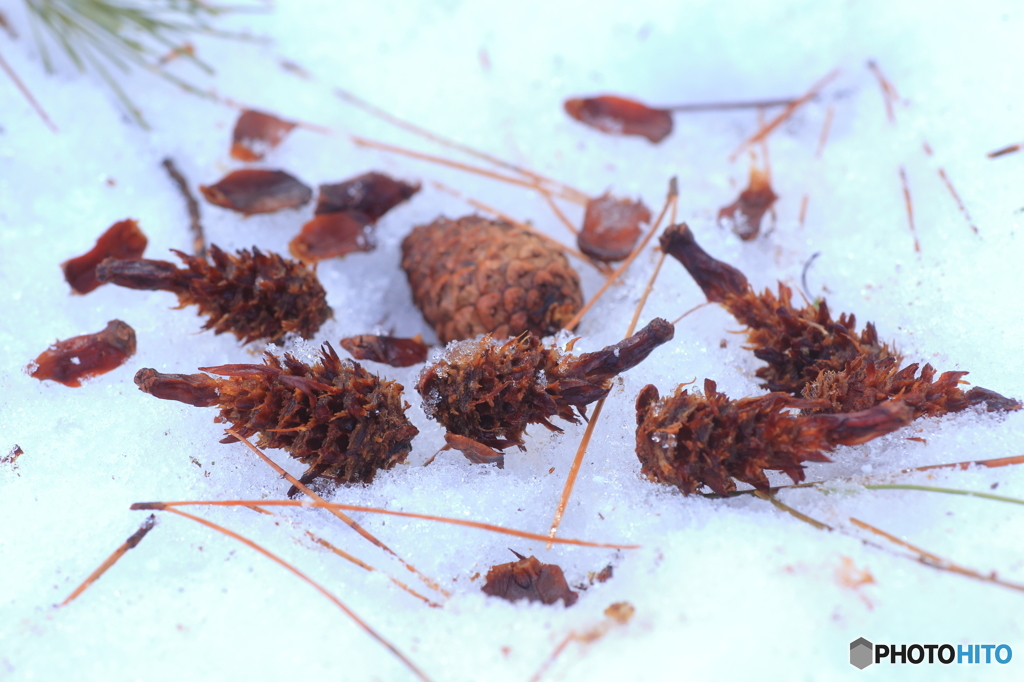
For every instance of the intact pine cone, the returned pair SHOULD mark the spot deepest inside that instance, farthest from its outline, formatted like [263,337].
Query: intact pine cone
[690,440]
[253,295]
[476,276]
[810,354]
[490,391]
[335,417]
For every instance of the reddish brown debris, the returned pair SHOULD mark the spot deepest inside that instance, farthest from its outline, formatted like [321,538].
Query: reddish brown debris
[12,456]
[529,579]
[387,349]
[332,235]
[253,295]
[372,194]
[257,191]
[690,440]
[611,227]
[476,276]
[1005,150]
[620,116]
[341,421]
[812,355]
[751,205]
[490,392]
[122,240]
[477,453]
[256,133]
[81,357]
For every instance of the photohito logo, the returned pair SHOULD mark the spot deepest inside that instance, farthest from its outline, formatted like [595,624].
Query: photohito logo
[863,653]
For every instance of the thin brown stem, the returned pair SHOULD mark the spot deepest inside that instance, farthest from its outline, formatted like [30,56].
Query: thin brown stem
[935,561]
[133,540]
[558,212]
[782,506]
[1003,151]
[576,195]
[767,130]
[574,471]
[315,585]
[345,518]
[825,128]
[441,161]
[726,106]
[910,208]
[27,94]
[195,225]
[387,512]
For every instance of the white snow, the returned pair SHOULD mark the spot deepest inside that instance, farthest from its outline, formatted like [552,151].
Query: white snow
[723,589]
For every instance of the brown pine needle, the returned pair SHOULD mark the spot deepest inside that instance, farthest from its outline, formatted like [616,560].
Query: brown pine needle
[727,106]
[910,208]
[198,237]
[825,128]
[27,94]
[133,540]
[989,463]
[362,564]
[581,451]
[673,194]
[803,209]
[1006,150]
[767,130]
[315,585]
[558,212]
[576,195]
[574,471]
[140,506]
[889,94]
[691,310]
[935,561]
[441,161]
[962,466]
[959,203]
[778,504]
[345,518]
[616,614]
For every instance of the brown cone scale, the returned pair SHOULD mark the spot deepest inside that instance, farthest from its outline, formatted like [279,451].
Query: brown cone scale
[475,276]
[341,421]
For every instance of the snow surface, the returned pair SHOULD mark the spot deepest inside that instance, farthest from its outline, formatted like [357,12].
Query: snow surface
[723,589]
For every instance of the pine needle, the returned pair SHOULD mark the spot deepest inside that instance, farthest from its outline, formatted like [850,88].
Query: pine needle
[111,36]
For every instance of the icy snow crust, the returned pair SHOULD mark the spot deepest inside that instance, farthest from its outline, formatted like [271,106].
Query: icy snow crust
[723,589]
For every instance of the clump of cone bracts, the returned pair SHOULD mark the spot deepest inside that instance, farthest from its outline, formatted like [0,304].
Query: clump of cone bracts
[490,391]
[341,421]
[810,354]
[476,276]
[690,440]
[253,295]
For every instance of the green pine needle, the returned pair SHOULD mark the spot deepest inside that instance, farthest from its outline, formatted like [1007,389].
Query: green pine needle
[108,36]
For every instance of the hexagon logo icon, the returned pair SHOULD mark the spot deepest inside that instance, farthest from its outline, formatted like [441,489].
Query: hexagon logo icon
[861,653]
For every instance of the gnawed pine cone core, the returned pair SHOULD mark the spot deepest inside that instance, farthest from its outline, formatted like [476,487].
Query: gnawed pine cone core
[690,440]
[252,294]
[490,391]
[334,416]
[475,276]
[826,360]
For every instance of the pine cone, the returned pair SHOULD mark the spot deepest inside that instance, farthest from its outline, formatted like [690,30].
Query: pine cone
[811,355]
[476,276]
[254,295]
[335,417]
[689,440]
[490,391]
